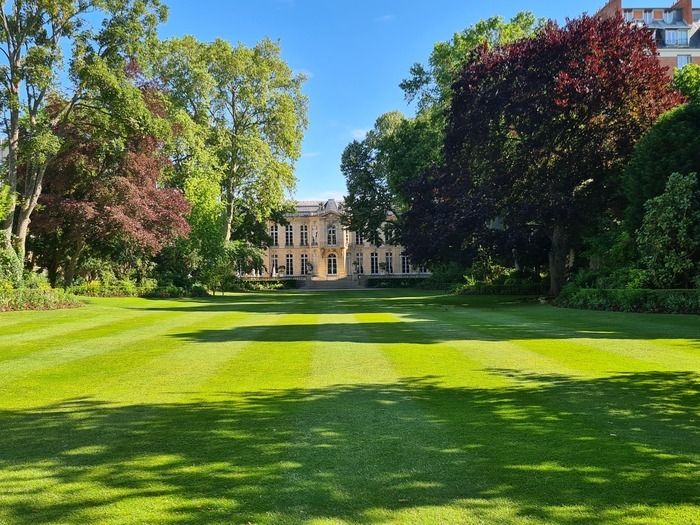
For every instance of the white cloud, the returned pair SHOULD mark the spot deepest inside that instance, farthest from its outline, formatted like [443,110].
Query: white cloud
[359,133]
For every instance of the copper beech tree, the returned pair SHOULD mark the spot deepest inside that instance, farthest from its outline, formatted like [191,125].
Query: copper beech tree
[538,131]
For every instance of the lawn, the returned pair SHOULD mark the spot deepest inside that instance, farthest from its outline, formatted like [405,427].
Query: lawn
[348,407]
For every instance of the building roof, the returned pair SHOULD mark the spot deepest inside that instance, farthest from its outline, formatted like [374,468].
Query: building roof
[318,207]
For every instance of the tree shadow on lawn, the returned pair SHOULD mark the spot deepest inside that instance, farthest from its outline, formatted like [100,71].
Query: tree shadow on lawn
[429,330]
[489,318]
[609,447]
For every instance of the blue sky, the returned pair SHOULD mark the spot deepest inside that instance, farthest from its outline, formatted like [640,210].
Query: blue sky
[355,53]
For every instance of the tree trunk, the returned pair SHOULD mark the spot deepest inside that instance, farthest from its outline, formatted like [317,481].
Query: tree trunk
[71,267]
[12,146]
[31,198]
[557,261]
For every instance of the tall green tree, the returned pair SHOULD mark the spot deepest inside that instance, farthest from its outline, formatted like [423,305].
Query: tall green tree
[39,88]
[247,117]
[369,197]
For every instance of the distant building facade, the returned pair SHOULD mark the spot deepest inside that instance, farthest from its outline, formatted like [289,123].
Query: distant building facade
[674,28]
[315,244]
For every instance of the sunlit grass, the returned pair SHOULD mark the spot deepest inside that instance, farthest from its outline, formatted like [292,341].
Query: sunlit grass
[348,407]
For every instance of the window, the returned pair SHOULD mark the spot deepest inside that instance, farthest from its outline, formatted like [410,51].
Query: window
[668,17]
[359,263]
[647,17]
[332,264]
[359,238]
[288,235]
[304,264]
[629,16]
[274,233]
[332,235]
[683,60]
[273,264]
[405,264]
[289,266]
[676,37]
[304,235]
[389,260]
[374,263]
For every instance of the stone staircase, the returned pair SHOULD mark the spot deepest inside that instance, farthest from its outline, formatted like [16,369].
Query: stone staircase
[343,283]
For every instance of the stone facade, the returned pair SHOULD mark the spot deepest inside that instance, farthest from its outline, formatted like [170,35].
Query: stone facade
[316,245]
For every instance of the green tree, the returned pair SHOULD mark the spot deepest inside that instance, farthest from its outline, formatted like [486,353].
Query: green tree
[671,145]
[669,239]
[103,37]
[687,81]
[247,118]
[369,197]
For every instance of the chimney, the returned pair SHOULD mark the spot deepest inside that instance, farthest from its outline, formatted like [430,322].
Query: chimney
[686,6]
[613,8]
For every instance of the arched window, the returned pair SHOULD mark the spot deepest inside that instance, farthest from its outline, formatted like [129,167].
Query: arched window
[332,235]
[332,264]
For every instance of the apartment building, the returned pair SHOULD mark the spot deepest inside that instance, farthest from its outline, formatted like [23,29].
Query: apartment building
[674,28]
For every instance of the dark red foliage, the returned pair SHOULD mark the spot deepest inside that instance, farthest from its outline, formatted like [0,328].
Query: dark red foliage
[91,197]
[539,129]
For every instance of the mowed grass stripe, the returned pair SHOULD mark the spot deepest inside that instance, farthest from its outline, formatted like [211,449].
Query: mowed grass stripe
[352,441]
[572,354]
[47,372]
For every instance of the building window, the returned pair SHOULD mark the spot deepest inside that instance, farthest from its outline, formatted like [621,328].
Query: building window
[389,260]
[683,60]
[274,233]
[405,264]
[288,235]
[304,264]
[374,262]
[289,266]
[359,238]
[304,235]
[359,263]
[668,17]
[273,264]
[332,235]
[647,17]
[332,264]
[676,37]
[629,16]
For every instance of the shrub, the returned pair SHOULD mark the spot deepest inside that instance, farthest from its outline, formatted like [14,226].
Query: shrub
[114,288]
[166,292]
[509,287]
[403,282]
[10,267]
[36,299]
[675,301]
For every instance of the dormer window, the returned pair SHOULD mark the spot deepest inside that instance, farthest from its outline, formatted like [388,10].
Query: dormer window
[668,17]
[629,16]
[647,16]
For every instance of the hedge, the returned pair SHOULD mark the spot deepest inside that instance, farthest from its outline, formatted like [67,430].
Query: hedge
[396,282]
[631,300]
[36,299]
[119,288]
[524,288]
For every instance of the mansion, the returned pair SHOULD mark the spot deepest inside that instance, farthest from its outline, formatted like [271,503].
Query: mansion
[316,245]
